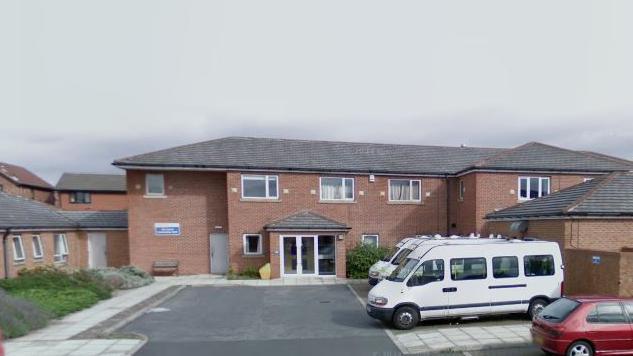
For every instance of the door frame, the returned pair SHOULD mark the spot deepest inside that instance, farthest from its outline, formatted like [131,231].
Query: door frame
[298,241]
[212,252]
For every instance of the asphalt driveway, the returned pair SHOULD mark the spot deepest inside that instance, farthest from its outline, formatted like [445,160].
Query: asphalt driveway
[239,320]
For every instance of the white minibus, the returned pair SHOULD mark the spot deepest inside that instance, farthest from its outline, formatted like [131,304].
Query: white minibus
[398,253]
[452,279]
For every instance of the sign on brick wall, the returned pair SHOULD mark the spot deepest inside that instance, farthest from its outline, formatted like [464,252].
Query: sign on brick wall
[166,229]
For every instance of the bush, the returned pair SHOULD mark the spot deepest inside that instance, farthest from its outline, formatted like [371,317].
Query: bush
[60,302]
[248,272]
[361,257]
[127,277]
[18,316]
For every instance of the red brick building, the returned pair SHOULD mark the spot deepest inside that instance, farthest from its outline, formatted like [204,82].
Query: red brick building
[20,181]
[241,202]
[91,191]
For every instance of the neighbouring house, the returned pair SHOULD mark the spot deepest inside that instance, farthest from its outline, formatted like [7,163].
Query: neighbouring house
[20,181]
[298,204]
[34,233]
[593,224]
[91,191]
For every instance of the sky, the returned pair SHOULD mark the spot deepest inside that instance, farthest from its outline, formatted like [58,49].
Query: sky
[85,82]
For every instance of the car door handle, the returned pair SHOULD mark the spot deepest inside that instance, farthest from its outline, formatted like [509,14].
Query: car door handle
[449,290]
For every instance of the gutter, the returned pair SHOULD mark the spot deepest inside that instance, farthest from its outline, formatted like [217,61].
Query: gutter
[7,231]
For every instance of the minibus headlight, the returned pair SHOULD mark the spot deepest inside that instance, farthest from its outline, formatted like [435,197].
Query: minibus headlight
[379,300]
[374,274]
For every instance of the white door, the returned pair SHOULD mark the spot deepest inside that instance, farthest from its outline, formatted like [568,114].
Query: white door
[219,253]
[298,255]
[97,247]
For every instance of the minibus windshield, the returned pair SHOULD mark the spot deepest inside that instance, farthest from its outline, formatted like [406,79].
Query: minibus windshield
[401,256]
[402,271]
[392,252]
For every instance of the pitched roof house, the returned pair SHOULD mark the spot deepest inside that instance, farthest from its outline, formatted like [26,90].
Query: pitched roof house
[20,181]
[91,191]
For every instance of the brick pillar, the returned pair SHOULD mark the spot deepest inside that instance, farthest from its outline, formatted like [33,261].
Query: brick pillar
[341,261]
[274,258]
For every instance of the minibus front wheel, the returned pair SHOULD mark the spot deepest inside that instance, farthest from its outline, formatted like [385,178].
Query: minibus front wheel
[406,317]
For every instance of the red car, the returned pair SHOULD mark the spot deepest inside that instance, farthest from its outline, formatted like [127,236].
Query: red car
[575,326]
[1,347]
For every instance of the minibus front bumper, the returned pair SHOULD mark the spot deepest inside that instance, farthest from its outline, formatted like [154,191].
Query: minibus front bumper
[385,314]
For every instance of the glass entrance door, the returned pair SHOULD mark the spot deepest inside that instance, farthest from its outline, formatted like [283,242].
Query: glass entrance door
[298,255]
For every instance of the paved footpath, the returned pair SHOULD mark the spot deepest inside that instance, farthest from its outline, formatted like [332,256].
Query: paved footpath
[60,337]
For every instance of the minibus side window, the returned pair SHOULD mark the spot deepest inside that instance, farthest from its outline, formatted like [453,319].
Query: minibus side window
[401,256]
[538,265]
[468,268]
[505,267]
[429,271]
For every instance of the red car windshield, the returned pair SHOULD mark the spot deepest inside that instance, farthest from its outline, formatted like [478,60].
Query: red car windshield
[559,310]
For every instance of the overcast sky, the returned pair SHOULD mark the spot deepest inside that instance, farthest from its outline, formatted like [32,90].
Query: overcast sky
[84,82]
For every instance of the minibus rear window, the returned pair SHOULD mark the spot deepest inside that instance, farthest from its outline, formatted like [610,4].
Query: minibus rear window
[403,270]
[401,256]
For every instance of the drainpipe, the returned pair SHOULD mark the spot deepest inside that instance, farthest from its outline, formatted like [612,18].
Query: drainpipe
[4,252]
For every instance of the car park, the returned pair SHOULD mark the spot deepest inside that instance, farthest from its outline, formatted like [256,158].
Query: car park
[585,326]
[482,277]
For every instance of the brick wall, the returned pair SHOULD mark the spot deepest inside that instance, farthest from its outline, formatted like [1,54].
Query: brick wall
[463,211]
[77,251]
[44,196]
[582,276]
[99,201]
[117,247]
[196,200]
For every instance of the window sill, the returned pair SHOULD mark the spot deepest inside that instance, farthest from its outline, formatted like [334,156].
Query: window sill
[259,255]
[19,263]
[154,196]
[337,201]
[410,202]
[261,200]
[38,259]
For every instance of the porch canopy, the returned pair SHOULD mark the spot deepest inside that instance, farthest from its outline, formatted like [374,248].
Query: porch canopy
[306,221]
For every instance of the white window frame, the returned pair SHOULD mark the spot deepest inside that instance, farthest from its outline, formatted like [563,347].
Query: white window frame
[266,179]
[63,257]
[343,180]
[410,190]
[461,187]
[39,242]
[259,245]
[15,251]
[147,192]
[540,187]
[367,235]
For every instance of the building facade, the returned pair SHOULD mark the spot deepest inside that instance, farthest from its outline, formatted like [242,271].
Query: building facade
[20,181]
[91,191]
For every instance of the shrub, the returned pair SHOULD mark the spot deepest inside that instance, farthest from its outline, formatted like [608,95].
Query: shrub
[127,277]
[361,257]
[60,302]
[19,316]
[248,272]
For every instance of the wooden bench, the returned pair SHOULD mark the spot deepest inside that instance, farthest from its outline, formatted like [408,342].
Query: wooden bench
[165,268]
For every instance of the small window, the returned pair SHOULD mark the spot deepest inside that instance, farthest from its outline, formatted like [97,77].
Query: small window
[333,188]
[154,184]
[61,248]
[370,240]
[505,267]
[587,180]
[38,252]
[264,187]
[18,249]
[80,197]
[405,190]
[428,272]
[252,244]
[533,187]
[468,268]
[539,265]
[607,313]
[462,189]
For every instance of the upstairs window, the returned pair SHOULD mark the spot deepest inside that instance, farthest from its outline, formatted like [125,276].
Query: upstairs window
[405,190]
[18,249]
[334,188]
[263,187]
[370,240]
[154,184]
[80,198]
[38,252]
[61,248]
[533,187]
[252,244]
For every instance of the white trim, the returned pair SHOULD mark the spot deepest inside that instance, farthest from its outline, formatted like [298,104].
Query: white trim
[259,245]
[15,251]
[70,229]
[266,179]
[362,238]
[147,192]
[299,243]
[564,217]
[523,171]
[344,190]
[461,190]
[527,187]
[63,257]
[39,242]
[410,190]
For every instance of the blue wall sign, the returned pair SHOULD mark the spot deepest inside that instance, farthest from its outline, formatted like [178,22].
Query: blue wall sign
[167,229]
[595,260]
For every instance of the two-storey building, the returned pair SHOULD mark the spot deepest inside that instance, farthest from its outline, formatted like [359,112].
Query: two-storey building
[91,191]
[17,180]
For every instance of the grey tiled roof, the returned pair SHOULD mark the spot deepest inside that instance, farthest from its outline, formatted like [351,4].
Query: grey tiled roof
[607,196]
[283,154]
[21,213]
[535,156]
[306,220]
[92,182]
[98,219]
[326,156]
